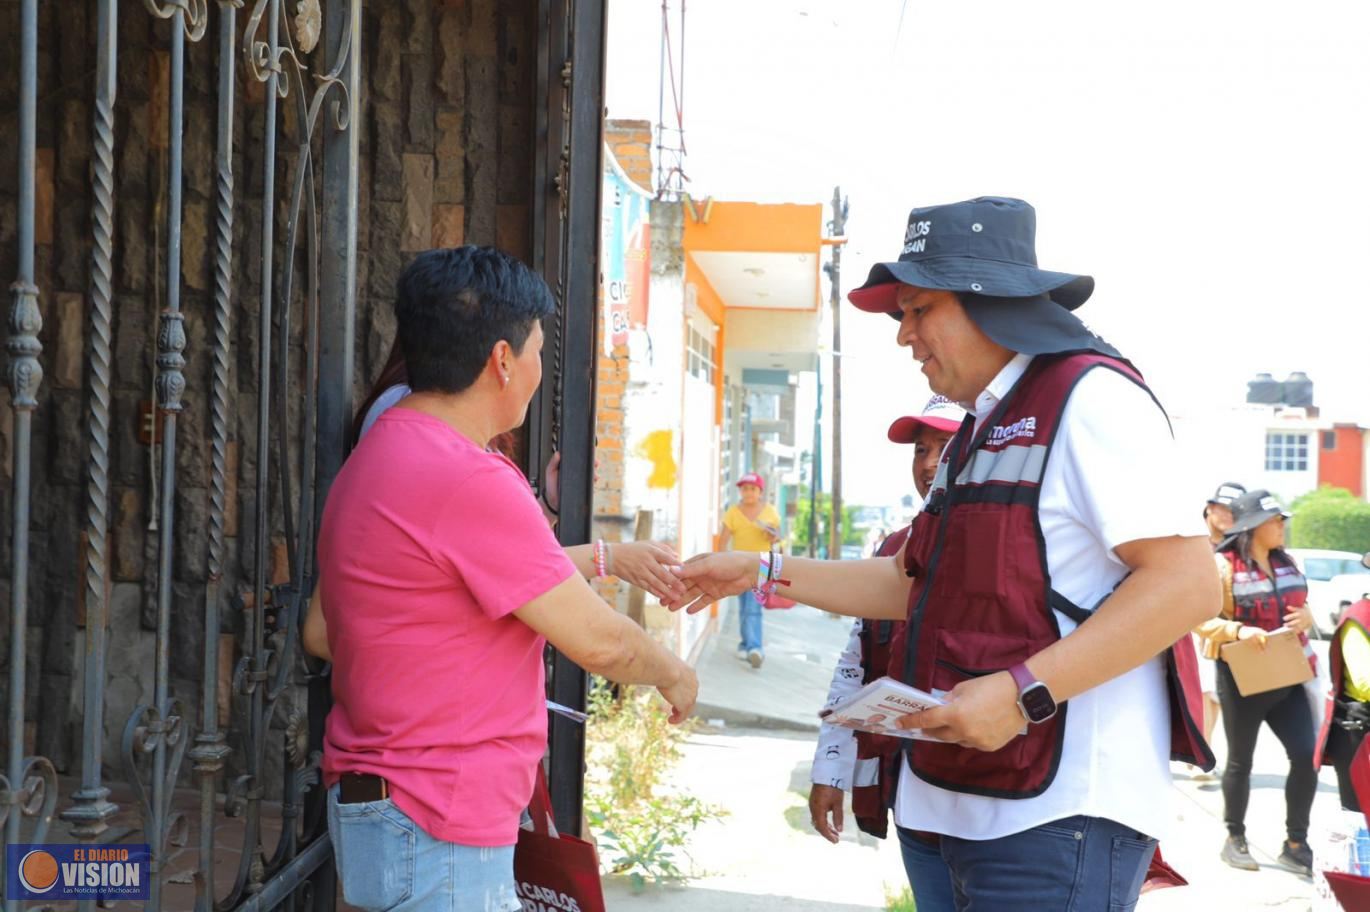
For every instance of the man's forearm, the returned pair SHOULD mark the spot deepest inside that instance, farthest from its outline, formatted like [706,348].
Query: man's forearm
[1148,613]
[873,588]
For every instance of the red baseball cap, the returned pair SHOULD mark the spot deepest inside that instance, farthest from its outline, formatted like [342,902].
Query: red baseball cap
[752,478]
[940,414]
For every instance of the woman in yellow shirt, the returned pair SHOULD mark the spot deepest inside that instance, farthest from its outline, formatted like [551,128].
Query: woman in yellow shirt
[750,525]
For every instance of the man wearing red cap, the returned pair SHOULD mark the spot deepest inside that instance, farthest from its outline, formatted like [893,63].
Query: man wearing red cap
[846,759]
[750,525]
[1048,586]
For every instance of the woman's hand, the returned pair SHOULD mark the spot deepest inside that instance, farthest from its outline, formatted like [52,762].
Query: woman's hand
[1299,619]
[646,565]
[1248,632]
[710,577]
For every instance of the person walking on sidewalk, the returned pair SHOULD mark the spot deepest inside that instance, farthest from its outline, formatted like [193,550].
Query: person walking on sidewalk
[441,583]
[1218,516]
[1262,590]
[751,525]
[1045,590]
[846,759]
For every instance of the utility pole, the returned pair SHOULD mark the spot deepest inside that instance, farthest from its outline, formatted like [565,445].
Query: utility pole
[816,465]
[834,270]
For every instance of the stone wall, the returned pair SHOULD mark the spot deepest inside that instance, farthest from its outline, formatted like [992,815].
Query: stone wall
[447,150]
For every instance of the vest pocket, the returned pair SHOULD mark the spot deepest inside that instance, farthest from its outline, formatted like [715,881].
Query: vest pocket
[1025,766]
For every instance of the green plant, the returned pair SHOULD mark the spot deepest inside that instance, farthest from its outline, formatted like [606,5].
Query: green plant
[630,746]
[1331,518]
[900,900]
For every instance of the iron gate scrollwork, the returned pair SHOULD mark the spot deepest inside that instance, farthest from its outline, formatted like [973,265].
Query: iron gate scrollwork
[271,682]
[302,213]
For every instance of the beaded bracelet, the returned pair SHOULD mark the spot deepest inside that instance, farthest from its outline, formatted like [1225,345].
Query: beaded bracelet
[601,565]
[768,576]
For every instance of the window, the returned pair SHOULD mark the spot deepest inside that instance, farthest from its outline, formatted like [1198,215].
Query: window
[1329,440]
[1286,452]
[700,355]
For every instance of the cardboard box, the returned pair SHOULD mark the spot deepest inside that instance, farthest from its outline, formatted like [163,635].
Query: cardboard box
[1279,664]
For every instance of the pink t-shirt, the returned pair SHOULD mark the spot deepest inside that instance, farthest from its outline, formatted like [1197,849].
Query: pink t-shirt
[427,544]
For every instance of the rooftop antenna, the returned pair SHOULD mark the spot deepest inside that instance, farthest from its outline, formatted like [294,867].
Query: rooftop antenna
[670,138]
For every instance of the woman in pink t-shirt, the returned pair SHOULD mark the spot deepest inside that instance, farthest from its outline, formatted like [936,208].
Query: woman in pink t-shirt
[441,581]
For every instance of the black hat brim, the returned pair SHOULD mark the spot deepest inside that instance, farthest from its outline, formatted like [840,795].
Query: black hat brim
[968,275]
[1254,520]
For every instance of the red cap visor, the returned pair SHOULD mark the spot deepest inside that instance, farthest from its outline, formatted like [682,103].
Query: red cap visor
[905,430]
[881,298]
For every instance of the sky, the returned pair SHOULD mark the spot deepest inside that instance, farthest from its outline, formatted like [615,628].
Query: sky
[1205,162]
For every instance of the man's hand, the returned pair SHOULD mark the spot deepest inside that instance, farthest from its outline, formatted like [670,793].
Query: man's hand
[646,565]
[681,694]
[981,713]
[710,577]
[825,811]
[1299,619]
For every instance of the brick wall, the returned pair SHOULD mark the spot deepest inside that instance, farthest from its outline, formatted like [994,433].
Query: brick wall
[630,142]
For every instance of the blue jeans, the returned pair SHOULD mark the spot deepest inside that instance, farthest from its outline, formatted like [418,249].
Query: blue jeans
[387,862]
[749,621]
[929,877]
[1076,864]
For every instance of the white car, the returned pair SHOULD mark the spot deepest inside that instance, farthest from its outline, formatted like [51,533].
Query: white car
[1335,580]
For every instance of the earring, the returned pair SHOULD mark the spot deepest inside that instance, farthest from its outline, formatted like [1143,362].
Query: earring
[504,380]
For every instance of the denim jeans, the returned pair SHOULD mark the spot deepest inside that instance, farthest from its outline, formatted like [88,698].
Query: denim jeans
[1076,864]
[387,862]
[749,621]
[928,875]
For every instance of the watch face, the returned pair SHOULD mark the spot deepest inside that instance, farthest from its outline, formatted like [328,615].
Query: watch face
[1037,703]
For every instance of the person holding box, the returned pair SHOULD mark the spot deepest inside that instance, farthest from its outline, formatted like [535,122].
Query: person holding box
[1262,591]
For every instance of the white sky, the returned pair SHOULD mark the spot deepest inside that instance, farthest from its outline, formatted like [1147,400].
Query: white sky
[1204,161]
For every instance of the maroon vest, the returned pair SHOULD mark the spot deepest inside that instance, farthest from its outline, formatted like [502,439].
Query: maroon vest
[1259,601]
[1358,613]
[982,599]
[871,801]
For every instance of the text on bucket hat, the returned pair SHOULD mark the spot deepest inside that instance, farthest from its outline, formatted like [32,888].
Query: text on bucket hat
[940,414]
[1227,492]
[986,245]
[751,478]
[1252,509]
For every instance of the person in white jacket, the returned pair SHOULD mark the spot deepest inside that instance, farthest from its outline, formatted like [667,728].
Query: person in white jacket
[835,766]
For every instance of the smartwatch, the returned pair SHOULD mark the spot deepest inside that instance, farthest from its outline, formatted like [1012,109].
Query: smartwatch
[1035,701]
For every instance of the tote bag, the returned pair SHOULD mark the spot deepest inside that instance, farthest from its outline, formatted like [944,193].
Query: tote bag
[555,872]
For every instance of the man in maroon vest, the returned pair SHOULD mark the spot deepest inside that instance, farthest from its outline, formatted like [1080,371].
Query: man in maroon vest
[1048,585]
[859,761]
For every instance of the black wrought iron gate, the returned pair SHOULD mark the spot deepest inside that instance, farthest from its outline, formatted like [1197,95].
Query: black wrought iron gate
[305,59]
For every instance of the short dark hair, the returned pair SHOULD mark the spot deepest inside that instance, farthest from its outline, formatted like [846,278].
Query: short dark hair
[453,305]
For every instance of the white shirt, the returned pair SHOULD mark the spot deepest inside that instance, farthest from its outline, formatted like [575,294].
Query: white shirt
[1114,476]
[834,759]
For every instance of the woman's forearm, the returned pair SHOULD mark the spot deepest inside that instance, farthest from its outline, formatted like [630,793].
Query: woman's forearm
[583,556]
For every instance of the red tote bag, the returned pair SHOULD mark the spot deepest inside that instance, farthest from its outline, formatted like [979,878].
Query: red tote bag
[555,872]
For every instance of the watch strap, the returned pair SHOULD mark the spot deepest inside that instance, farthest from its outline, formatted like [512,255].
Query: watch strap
[1022,678]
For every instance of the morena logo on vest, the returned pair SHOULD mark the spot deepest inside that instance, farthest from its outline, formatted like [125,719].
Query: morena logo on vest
[1023,427]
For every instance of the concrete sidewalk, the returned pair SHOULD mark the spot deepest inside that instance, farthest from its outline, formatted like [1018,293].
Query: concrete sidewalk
[801,645]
